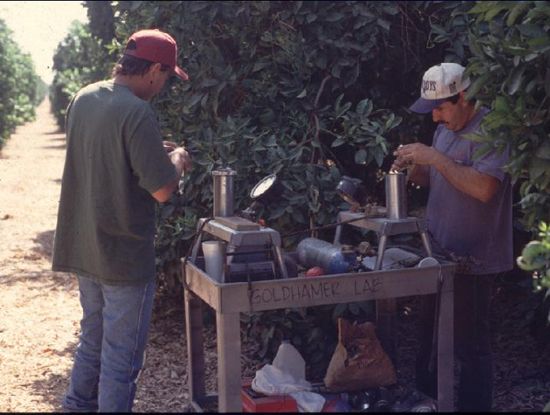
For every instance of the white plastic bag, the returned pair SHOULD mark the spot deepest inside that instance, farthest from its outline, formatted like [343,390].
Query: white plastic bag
[287,377]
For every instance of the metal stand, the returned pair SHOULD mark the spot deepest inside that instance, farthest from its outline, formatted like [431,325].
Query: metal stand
[228,300]
[242,235]
[384,227]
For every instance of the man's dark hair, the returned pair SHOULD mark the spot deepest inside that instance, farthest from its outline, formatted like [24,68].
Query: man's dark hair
[131,66]
[454,99]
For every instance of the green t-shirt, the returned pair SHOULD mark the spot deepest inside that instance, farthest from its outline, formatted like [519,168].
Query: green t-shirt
[115,160]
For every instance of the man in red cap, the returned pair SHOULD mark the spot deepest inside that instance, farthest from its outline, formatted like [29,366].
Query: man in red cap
[117,167]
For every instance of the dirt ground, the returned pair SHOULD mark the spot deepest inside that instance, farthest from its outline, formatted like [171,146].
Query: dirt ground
[40,312]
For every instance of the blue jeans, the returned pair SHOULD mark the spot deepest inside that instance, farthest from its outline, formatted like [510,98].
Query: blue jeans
[109,356]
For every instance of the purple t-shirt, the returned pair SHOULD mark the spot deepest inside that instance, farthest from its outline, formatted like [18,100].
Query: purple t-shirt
[462,224]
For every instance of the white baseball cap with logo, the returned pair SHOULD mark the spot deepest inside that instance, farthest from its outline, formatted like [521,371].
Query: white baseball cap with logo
[439,83]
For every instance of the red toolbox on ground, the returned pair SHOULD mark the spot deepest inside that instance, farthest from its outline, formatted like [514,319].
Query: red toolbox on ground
[257,402]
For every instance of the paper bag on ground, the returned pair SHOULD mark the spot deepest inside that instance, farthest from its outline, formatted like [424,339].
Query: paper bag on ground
[359,361]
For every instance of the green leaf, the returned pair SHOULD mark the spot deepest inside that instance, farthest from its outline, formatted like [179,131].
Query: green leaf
[258,66]
[482,150]
[334,17]
[302,94]
[384,24]
[389,122]
[209,82]
[501,105]
[537,168]
[477,85]
[338,142]
[531,56]
[531,30]
[378,156]
[134,5]
[491,13]
[480,7]
[195,99]
[515,12]
[360,109]
[361,156]
[540,43]
[310,17]
[543,151]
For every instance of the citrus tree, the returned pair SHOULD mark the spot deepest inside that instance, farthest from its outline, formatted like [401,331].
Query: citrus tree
[21,90]
[506,46]
[80,59]
[301,89]
[308,90]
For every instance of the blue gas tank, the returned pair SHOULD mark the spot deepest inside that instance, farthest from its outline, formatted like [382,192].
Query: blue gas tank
[314,252]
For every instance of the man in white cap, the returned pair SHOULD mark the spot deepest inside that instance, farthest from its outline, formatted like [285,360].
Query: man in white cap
[469,213]
[116,169]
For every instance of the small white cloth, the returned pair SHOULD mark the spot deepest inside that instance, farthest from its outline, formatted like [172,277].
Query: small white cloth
[270,380]
[286,376]
[308,401]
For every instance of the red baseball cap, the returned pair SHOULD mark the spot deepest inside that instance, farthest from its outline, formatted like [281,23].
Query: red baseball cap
[156,46]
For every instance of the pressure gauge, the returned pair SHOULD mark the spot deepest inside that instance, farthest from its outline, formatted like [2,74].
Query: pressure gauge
[263,186]
[352,191]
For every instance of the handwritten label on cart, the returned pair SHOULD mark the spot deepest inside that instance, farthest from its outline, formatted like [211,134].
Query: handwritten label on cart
[315,290]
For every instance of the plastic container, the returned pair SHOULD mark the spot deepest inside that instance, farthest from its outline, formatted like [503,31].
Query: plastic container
[214,259]
[314,252]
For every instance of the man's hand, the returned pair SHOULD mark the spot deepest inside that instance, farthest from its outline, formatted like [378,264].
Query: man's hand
[416,153]
[181,159]
[399,163]
[182,162]
[169,146]
[414,157]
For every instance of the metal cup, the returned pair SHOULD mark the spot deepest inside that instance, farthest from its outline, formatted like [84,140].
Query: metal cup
[214,259]
[223,192]
[396,195]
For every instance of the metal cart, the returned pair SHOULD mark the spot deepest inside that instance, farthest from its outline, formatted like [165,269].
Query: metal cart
[229,300]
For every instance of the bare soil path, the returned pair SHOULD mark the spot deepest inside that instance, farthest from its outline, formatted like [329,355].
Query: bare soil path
[40,312]
[38,308]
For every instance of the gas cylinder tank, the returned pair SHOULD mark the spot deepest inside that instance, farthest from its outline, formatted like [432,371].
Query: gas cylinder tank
[316,252]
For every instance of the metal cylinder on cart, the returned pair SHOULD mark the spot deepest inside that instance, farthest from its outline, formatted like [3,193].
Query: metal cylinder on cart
[316,252]
[223,191]
[396,195]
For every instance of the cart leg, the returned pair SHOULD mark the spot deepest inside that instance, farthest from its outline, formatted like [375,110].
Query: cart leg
[386,325]
[229,362]
[445,347]
[195,350]
[426,242]
[386,310]
[381,248]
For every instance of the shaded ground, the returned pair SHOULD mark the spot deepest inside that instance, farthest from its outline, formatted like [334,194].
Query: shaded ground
[39,309]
